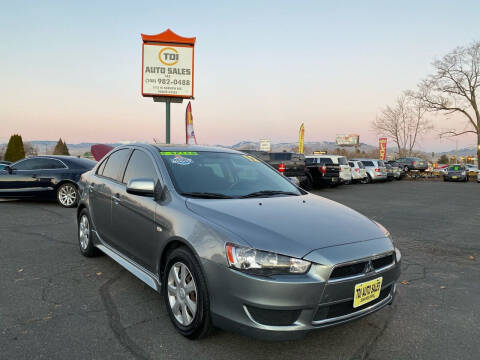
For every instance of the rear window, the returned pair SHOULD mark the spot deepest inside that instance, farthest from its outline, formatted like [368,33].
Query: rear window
[360,165]
[456,168]
[310,161]
[326,161]
[342,161]
[280,156]
[367,163]
[381,163]
[351,164]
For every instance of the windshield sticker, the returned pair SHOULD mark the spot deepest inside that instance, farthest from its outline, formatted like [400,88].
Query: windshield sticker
[251,158]
[174,153]
[180,160]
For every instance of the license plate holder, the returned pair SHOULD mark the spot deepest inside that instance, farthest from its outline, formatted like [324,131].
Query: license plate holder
[367,291]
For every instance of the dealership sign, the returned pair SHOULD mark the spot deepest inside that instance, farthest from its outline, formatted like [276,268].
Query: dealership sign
[347,140]
[168,65]
[265,145]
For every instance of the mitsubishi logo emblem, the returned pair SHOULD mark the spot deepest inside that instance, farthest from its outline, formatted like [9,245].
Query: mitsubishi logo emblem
[369,267]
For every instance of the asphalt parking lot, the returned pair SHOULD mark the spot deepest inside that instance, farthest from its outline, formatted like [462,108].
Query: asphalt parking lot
[56,304]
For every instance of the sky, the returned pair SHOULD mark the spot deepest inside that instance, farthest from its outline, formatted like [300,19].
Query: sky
[72,69]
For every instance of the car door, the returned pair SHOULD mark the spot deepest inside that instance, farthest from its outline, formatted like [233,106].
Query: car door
[21,181]
[107,176]
[133,216]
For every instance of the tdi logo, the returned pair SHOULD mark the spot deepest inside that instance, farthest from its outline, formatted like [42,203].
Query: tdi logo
[168,56]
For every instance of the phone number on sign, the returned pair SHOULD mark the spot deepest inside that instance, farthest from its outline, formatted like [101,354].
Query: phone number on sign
[169,82]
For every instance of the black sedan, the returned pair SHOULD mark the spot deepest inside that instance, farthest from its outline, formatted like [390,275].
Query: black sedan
[44,177]
[456,172]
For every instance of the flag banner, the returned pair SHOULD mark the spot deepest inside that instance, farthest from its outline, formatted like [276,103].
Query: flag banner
[190,138]
[301,137]
[382,146]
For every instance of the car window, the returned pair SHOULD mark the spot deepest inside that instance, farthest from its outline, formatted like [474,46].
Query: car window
[310,161]
[360,165]
[38,164]
[114,167]
[227,174]
[102,167]
[326,161]
[381,163]
[140,166]
[456,168]
[280,156]
[342,161]
[367,163]
[351,164]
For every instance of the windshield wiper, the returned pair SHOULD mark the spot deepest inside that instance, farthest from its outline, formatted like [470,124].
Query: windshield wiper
[269,193]
[206,195]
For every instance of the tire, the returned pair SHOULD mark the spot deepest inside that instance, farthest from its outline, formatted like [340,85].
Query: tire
[369,179]
[85,235]
[307,184]
[182,270]
[365,180]
[67,195]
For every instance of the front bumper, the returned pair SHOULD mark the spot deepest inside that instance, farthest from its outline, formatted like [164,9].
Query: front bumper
[288,306]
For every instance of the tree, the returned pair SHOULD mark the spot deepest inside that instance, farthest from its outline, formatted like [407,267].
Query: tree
[404,123]
[452,89]
[443,159]
[61,148]
[15,150]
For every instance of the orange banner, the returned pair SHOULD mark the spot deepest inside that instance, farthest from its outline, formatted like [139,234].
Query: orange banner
[382,146]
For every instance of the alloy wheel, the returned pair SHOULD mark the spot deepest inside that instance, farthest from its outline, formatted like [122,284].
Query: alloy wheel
[182,293]
[67,195]
[84,232]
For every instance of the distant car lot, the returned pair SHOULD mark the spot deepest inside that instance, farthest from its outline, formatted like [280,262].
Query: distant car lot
[56,304]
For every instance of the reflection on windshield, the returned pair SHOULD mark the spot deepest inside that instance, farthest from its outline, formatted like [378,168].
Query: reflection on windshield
[224,175]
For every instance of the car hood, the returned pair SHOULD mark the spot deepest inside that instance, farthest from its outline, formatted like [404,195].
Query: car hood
[289,225]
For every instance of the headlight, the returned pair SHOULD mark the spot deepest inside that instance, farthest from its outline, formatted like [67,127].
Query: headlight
[385,231]
[258,262]
[464,173]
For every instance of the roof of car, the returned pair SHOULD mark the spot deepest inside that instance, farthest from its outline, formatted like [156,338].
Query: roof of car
[366,159]
[183,147]
[325,156]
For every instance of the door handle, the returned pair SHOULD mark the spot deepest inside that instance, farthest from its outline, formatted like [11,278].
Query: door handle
[116,199]
[91,187]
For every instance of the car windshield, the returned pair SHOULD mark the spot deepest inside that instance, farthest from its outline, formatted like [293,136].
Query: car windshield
[224,175]
[456,168]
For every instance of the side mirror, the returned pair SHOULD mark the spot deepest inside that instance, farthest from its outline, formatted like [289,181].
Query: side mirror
[143,187]
[8,169]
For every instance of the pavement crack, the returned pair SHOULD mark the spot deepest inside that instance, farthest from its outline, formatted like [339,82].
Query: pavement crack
[114,320]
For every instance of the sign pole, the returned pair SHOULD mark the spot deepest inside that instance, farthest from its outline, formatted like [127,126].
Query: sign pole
[167,130]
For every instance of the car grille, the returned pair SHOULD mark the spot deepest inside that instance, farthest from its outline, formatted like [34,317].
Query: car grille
[346,307]
[343,271]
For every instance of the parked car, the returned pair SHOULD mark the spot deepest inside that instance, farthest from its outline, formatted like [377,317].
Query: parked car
[400,172]
[229,241]
[359,174]
[323,171]
[290,164]
[412,163]
[472,168]
[4,163]
[376,170]
[44,177]
[390,172]
[478,177]
[341,161]
[456,172]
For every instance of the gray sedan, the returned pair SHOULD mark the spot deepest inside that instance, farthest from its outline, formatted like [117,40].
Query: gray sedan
[231,243]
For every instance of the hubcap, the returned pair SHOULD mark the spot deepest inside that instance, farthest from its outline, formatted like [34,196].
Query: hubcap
[67,195]
[182,293]
[84,232]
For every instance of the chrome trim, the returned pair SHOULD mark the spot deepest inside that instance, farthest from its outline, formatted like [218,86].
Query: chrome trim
[363,274]
[143,274]
[357,313]
[39,157]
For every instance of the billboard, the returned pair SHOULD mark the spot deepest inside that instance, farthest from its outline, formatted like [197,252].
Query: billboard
[265,145]
[167,65]
[382,146]
[347,140]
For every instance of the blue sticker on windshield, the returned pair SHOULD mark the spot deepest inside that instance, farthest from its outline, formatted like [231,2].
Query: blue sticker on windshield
[180,160]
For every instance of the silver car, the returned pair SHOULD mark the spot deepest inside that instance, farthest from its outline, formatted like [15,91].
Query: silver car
[231,243]
[375,168]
